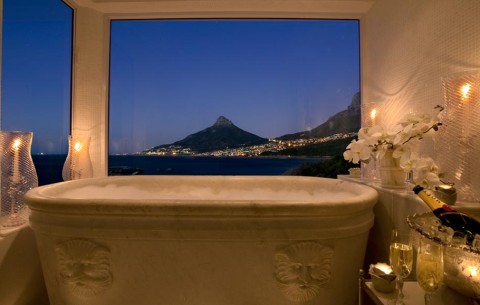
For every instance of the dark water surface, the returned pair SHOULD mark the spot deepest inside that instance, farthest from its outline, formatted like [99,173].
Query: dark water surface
[49,167]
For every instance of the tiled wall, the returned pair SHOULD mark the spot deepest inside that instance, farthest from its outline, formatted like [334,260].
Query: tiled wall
[409,48]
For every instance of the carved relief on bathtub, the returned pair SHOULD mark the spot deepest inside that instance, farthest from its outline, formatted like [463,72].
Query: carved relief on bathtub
[302,269]
[83,267]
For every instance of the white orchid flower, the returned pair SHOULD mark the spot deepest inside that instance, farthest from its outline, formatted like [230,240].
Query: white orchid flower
[425,172]
[403,153]
[403,139]
[409,163]
[403,135]
[357,150]
[370,134]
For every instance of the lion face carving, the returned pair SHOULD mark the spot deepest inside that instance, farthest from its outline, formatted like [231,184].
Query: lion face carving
[84,267]
[302,269]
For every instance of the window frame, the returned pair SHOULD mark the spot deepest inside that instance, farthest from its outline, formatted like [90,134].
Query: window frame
[91,47]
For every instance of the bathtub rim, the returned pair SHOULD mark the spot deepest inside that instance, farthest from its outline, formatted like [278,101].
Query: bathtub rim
[42,199]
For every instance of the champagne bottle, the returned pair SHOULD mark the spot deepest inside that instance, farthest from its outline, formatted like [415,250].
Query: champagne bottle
[461,223]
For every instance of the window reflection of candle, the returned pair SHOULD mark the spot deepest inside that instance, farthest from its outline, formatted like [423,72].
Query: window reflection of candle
[373,114]
[16,161]
[465,91]
[472,271]
[467,106]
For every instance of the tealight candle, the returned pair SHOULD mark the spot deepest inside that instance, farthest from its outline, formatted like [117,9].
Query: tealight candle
[355,172]
[383,278]
[446,193]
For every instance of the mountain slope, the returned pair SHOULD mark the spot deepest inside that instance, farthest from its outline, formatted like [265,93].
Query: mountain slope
[222,134]
[342,122]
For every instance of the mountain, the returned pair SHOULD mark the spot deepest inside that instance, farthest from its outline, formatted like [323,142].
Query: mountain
[345,121]
[222,134]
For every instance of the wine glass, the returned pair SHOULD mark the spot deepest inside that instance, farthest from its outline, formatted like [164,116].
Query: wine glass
[429,267]
[401,260]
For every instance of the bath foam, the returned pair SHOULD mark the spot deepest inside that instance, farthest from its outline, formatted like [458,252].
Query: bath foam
[113,191]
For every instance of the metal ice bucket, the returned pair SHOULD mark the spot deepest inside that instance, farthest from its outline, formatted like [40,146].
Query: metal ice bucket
[461,262]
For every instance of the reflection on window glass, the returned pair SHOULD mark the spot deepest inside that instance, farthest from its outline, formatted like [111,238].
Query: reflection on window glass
[36,78]
[232,96]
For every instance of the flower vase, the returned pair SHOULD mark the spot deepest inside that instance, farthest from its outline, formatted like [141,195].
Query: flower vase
[391,174]
[18,175]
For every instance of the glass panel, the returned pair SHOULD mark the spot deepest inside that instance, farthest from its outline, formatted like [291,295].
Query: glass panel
[36,79]
[211,96]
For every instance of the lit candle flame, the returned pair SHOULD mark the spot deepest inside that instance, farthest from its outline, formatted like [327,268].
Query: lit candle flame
[465,90]
[16,144]
[77,146]
[16,163]
[472,270]
[386,269]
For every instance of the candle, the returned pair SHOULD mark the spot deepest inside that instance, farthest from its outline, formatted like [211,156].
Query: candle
[382,269]
[75,166]
[446,193]
[383,278]
[16,162]
[77,147]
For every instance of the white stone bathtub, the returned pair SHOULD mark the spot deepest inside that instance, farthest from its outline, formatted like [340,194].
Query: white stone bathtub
[202,240]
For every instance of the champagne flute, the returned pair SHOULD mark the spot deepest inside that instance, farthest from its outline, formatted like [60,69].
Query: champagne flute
[429,267]
[401,260]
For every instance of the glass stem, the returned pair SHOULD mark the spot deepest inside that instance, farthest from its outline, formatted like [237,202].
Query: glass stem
[427,299]
[400,295]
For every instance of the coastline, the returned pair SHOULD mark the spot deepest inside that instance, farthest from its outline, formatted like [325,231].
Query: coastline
[49,167]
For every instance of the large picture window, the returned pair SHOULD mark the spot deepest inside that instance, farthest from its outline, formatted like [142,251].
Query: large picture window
[36,78]
[211,96]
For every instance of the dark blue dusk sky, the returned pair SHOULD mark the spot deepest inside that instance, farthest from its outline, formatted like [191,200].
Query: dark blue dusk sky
[36,71]
[172,78]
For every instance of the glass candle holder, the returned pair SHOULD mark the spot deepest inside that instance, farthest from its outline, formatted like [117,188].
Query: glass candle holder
[78,164]
[18,176]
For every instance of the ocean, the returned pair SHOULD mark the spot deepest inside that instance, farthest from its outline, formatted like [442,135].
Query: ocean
[49,167]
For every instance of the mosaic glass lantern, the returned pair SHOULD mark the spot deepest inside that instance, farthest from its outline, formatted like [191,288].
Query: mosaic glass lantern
[18,176]
[78,164]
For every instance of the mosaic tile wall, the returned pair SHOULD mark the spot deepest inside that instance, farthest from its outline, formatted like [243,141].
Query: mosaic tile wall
[410,48]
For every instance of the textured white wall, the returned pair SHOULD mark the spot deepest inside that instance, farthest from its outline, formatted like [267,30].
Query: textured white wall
[1,31]
[410,47]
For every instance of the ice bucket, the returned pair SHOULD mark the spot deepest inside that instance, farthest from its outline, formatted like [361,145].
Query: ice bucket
[461,261]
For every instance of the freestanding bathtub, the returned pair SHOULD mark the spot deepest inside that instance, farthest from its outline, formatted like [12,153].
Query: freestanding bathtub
[202,240]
